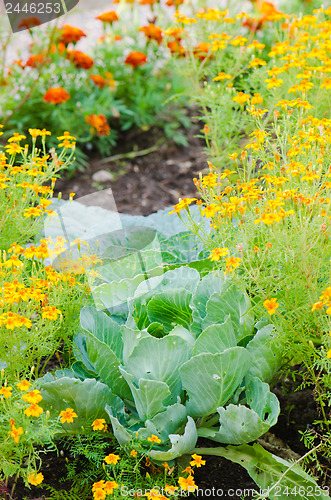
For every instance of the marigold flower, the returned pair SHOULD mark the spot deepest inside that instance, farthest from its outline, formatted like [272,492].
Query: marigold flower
[56,95]
[111,459]
[328,354]
[6,391]
[98,123]
[33,410]
[99,81]
[70,34]
[241,98]
[50,312]
[16,433]
[79,59]
[68,415]
[34,478]
[152,32]
[110,486]
[108,17]
[197,460]
[133,453]
[135,59]
[187,483]
[29,22]
[98,424]
[154,439]
[271,305]
[35,60]
[24,385]
[32,397]
[217,253]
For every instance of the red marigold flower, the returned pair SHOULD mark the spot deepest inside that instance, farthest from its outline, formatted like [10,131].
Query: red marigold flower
[136,58]
[70,34]
[99,81]
[152,32]
[35,60]
[56,95]
[176,48]
[108,17]
[98,123]
[80,59]
[29,22]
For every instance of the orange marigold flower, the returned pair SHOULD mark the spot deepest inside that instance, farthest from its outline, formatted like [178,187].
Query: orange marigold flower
[111,459]
[110,486]
[176,48]
[70,34]
[68,415]
[136,58]
[271,305]
[56,95]
[152,32]
[108,17]
[99,81]
[99,124]
[80,60]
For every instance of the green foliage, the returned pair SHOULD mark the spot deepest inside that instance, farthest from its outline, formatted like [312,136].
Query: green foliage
[171,379]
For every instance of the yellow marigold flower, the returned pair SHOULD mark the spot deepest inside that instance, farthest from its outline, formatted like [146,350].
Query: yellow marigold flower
[170,489]
[133,453]
[273,82]
[256,62]
[187,483]
[24,385]
[197,460]
[33,410]
[13,149]
[32,397]
[34,132]
[271,305]
[32,212]
[231,264]
[16,433]
[66,137]
[217,253]
[154,439]
[233,156]
[110,486]
[256,45]
[111,459]
[34,478]
[16,137]
[317,305]
[68,415]
[6,391]
[50,312]
[183,204]
[328,354]
[98,424]
[257,98]
[241,98]
[222,76]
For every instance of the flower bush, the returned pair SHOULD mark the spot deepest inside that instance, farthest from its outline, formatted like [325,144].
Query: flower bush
[125,81]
